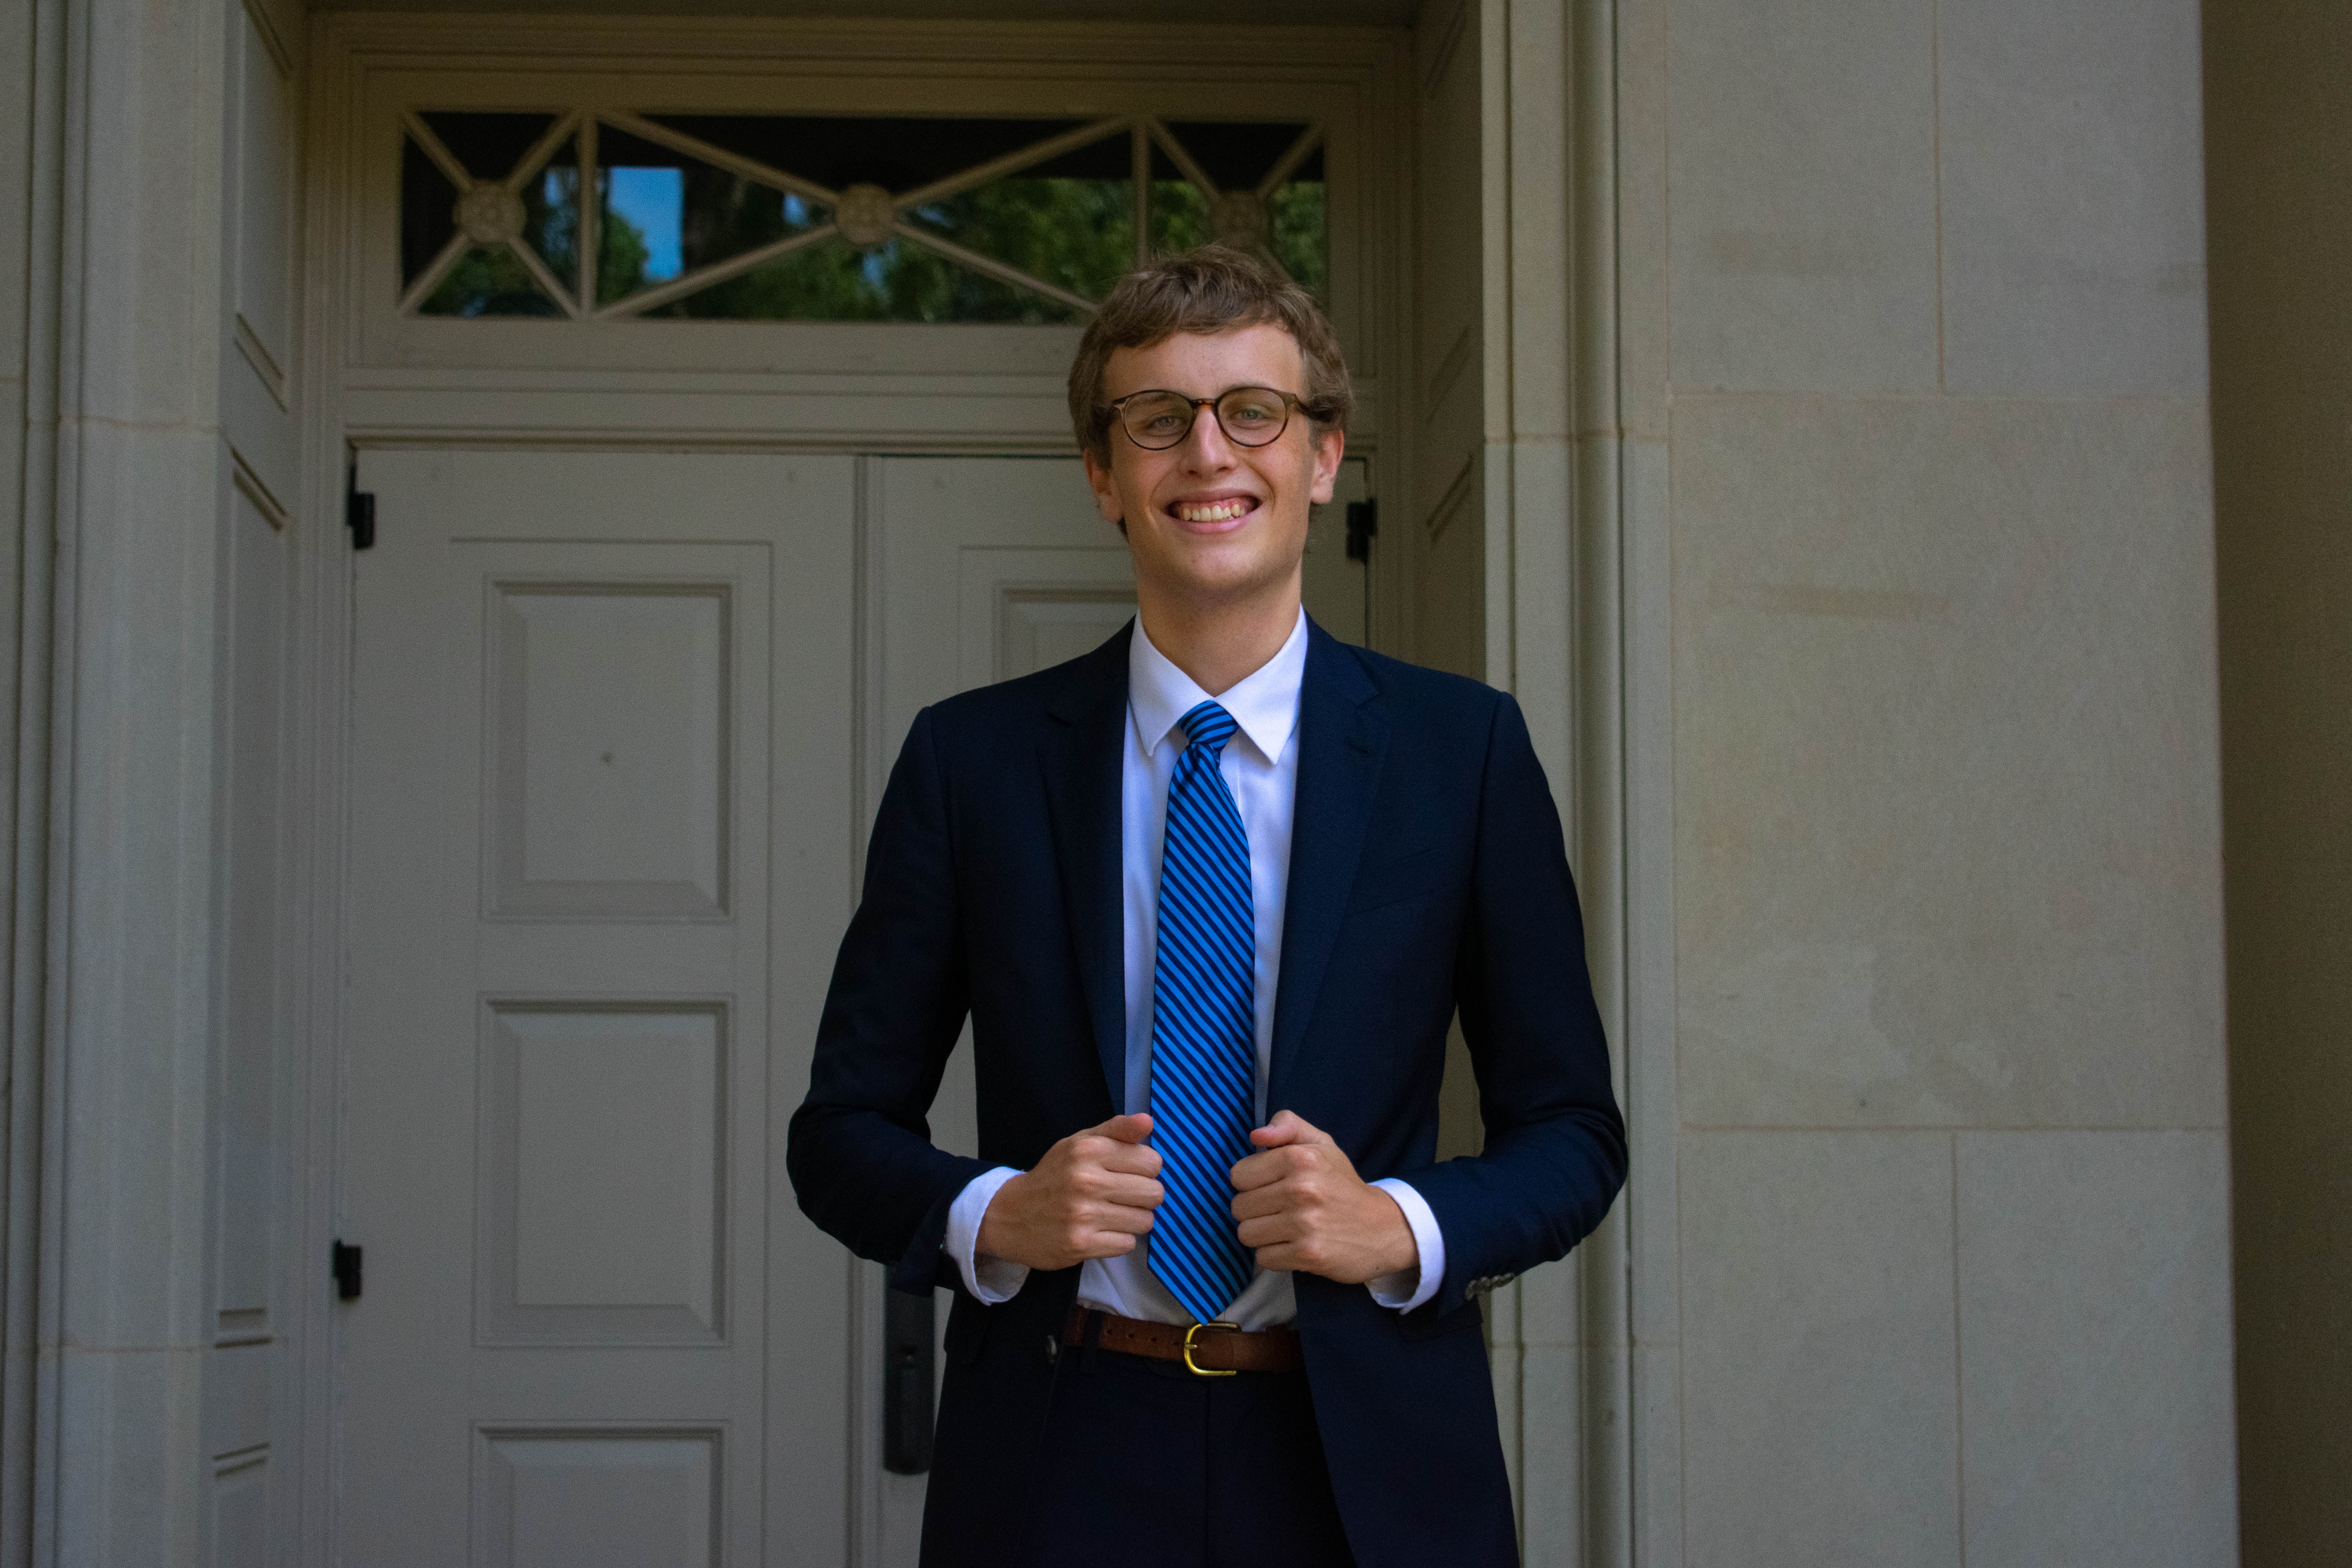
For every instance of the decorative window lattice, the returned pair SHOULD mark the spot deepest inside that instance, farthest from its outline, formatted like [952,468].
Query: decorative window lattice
[808,219]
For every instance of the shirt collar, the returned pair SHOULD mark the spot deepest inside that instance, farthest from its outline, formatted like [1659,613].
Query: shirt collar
[1264,703]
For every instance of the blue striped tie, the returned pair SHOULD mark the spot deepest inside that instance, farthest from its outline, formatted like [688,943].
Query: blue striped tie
[1203,1026]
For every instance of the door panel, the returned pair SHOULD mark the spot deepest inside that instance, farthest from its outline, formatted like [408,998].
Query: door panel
[989,568]
[978,569]
[1444,523]
[579,826]
[623,1497]
[602,842]
[600,857]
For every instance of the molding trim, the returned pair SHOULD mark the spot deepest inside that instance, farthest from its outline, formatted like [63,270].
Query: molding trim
[251,486]
[734,45]
[250,346]
[349,400]
[1555,636]
[115,942]
[272,38]
[1346,88]
[29,1417]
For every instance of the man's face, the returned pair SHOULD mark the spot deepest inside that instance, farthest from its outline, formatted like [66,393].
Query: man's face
[1208,519]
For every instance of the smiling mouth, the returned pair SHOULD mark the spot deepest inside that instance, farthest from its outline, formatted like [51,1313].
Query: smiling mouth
[1212,512]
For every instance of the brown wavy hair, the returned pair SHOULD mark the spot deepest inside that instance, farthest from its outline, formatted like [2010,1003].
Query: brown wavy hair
[1216,289]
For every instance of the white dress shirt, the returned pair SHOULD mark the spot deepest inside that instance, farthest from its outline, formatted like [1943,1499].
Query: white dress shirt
[1260,765]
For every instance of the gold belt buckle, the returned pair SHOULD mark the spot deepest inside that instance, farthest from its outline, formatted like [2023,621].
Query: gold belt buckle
[1196,1368]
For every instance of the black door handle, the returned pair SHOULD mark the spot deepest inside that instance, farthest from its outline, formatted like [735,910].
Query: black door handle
[908,1378]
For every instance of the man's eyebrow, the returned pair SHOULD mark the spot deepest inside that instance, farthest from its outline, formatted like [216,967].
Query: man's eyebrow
[1237,386]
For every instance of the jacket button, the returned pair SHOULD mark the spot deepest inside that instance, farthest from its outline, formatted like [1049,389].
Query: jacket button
[1053,1349]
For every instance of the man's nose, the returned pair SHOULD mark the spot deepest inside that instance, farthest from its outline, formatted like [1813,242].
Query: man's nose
[1205,447]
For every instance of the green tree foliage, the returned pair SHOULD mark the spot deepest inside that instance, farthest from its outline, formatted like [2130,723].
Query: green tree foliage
[550,225]
[489,282]
[1295,215]
[1179,216]
[493,281]
[1077,234]
[1180,220]
[621,257]
[832,280]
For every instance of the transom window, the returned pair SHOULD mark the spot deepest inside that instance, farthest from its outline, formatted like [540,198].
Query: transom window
[834,218]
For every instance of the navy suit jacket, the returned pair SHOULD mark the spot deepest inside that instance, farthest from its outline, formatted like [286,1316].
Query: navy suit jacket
[1427,873]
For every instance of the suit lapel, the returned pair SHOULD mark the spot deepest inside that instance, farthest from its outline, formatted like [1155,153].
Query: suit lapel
[1080,757]
[1342,739]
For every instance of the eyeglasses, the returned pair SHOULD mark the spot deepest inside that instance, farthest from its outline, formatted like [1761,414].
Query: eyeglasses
[1249,416]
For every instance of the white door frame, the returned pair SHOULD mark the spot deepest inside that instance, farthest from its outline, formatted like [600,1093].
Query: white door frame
[424,393]
[108,1185]
[1556,639]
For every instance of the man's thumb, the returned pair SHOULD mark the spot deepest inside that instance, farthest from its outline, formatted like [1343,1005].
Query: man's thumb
[1132,1129]
[1287,1127]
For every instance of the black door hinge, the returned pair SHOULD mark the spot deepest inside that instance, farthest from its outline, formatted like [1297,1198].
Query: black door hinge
[1363,522]
[344,1264]
[359,509]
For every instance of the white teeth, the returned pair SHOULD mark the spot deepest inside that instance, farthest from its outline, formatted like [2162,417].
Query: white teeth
[1215,512]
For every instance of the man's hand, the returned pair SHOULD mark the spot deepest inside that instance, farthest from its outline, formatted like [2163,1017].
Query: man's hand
[1303,1206]
[1090,1196]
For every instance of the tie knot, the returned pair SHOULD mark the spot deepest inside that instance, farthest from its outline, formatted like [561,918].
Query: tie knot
[1209,726]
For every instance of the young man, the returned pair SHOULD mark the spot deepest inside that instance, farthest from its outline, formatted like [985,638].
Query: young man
[1211,896]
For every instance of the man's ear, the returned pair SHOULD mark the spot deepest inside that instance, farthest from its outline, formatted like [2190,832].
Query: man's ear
[1107,499]
[1329,447]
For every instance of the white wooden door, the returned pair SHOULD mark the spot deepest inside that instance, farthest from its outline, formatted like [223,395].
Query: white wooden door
[979,570]
[600,834]
[605,818]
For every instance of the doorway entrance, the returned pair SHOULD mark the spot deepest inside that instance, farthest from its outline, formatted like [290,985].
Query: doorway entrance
[608,792]
[609,788]
[694,479]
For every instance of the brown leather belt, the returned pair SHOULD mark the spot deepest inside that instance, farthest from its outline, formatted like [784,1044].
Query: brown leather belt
[1211,1350]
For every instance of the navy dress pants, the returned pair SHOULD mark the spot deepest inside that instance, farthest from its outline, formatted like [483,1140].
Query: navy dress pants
[1146,1465]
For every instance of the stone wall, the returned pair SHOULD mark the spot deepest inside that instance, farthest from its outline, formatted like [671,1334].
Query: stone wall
[110,978]
[1929,1221]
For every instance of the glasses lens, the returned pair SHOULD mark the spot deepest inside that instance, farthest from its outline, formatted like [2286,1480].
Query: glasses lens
[1156,420]
[1252,415]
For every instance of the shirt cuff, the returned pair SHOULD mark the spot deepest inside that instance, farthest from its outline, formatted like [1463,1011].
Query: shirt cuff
[993,1279]
[1390,1290]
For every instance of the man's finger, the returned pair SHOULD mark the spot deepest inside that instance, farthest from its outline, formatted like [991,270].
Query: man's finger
[1259,1171]
[1283,1257]
[1131,1160]
[1132,1129]
[1258,1201]
[1271,1230]
[1119,1218]
[1134,1192]
[1288,1127]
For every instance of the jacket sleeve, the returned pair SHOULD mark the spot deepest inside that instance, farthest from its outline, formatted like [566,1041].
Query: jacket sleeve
[859,1150]
[1554,1156]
